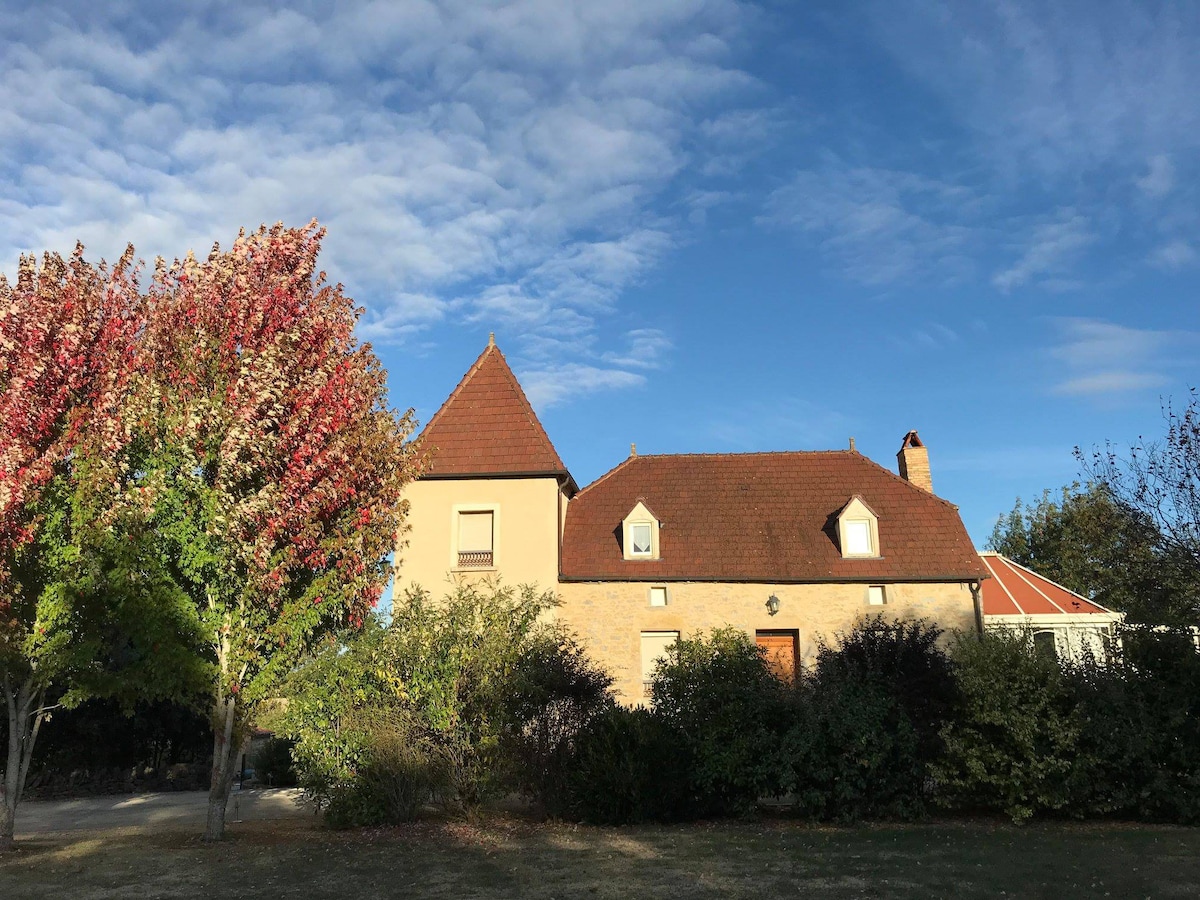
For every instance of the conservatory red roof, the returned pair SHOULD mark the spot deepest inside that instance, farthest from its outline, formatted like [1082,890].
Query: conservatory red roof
[1014,590]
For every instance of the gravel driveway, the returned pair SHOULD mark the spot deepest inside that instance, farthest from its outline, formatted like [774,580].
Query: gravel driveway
[137,810]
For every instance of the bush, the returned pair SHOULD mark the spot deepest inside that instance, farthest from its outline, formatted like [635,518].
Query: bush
[402,768]
[629,766]
[1013,744]
[553,694]
[1139,744]
[718,695]
[868,722]
[852,753]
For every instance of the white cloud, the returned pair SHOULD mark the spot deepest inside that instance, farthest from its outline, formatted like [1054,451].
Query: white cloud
[1050,249]
[1108,383]
[1175,254]
[1103,359]
[1057,88]
[879,225]
[549,386]
[499,162]
[1160,176]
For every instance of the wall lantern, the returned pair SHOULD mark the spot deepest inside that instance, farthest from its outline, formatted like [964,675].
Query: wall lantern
[772,605]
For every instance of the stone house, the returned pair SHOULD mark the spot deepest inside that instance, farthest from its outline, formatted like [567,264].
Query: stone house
[793,547]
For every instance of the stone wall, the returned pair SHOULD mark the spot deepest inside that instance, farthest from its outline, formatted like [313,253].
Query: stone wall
[610,617]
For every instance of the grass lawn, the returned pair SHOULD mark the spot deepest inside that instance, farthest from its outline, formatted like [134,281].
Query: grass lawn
[502,856]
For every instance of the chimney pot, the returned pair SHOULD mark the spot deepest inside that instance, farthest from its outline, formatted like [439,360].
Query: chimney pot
[633,449]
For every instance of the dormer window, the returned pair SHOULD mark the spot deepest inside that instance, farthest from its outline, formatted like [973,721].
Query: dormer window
[640,529]
[858,530]
[858,537]
[640,539]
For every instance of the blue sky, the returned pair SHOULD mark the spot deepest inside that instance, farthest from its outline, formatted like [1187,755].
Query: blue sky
[700,225]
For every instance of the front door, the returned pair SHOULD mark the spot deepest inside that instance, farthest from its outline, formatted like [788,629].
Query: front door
[781,649]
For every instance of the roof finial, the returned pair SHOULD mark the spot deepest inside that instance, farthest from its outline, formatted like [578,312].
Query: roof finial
[852,443]
[633,449]
[491,339]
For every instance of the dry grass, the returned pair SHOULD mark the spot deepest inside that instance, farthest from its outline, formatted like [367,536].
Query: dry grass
[502,856]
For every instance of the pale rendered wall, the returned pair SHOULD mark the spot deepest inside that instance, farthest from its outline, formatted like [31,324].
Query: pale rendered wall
[609,618]
[526,532]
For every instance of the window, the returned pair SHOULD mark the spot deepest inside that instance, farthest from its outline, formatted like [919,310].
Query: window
[858,538]
[875,595]
[654,647]
[475,540]
[640,537]
[658,596]
[639,533]
[1045,645]
[858,529]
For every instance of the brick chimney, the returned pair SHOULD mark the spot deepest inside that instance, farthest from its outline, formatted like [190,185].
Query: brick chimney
[914,462]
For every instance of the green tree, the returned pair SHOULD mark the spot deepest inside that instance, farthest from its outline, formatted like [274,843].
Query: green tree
[1097,545]
[82,608]
[265,461]
[1160,481]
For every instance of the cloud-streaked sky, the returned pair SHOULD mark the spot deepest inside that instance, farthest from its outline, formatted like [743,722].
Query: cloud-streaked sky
[701,225]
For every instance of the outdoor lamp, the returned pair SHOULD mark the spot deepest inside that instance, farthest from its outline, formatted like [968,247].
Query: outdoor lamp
[772,605]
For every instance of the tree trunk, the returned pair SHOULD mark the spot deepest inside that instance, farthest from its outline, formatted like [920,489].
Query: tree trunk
[224,714]
[24,721]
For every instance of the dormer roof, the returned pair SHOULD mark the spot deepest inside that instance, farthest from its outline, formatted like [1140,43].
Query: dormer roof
[488,428]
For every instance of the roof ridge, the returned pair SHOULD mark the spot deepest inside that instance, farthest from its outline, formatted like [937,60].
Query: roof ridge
[745,453]
[533,419]
[462,382]
[604,477]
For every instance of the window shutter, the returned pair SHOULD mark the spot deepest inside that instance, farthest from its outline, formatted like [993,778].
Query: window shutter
[475,532]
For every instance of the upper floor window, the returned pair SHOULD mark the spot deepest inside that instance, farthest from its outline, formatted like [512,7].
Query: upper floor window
[640,531]
[476,539]
[640,534]
[858,529]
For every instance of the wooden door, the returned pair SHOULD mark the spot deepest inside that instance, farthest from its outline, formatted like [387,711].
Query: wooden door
[781,649]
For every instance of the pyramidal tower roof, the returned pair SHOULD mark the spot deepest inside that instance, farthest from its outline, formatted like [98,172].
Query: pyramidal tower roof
[486,427]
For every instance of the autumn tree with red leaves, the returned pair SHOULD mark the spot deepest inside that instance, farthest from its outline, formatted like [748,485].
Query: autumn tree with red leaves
[67,331]
[263,455]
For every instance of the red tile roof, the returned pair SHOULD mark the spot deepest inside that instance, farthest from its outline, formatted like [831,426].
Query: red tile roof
[1014,590]
[767,517]
[487,427]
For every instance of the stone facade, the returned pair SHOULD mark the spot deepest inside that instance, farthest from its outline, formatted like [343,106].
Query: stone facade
[610,617]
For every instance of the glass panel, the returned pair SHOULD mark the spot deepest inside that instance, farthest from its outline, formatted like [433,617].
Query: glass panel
[658,596]
[640,535]
[875,595]
[858,537]
[1044,644]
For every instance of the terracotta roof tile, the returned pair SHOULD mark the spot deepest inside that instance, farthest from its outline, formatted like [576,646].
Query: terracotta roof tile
[487,427]
[1014,590]
[763,517]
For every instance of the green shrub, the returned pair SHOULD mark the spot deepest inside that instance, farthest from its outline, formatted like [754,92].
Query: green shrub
[629,766]
[868,723]
[717,693]
[852,753]
[1139,745]
[402,769]
[272,762]
[1012,746]
[553,693]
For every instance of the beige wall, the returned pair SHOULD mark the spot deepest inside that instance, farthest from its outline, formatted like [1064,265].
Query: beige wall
[526,529]
[610,617]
